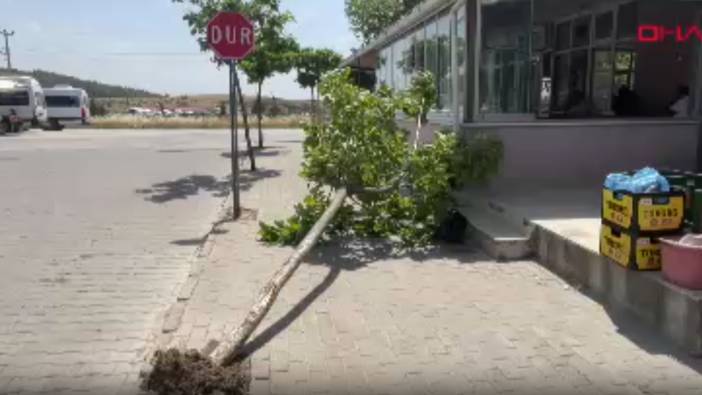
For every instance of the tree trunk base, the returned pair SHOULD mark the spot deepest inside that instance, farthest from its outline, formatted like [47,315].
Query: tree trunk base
[176,373]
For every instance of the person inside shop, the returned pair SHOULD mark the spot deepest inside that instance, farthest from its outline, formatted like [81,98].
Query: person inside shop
[626,102]
[680,107]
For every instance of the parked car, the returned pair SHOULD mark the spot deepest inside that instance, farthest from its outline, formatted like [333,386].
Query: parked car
[66,105]
[22,103]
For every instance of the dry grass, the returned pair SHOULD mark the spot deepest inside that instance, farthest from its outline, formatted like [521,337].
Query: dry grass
[208,102]
[137,122]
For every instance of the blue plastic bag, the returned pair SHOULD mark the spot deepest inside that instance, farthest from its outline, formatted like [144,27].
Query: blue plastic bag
[646,180]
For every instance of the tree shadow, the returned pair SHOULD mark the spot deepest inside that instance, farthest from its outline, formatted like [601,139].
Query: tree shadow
[350,254]
[284,322]
[266,152]
[200,240]
[185,151]
[269,152]
[185,187]
[291,141]
[189,186]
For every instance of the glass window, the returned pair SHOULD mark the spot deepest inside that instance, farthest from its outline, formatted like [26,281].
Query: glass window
[398,76]
[505,67]
[390,69]
[461,45]
[577,99]
[406,62]
[430,48]
[602,81]
[563,36]
[627,20]
[14,98]
[581,32]
[561,65]
[624,69]
[604,25]
[444,64]
[62,101]
[39,99]
[409,59]
[419,50]
[380,70]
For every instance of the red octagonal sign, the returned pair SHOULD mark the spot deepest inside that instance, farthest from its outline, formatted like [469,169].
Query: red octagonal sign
[231,36]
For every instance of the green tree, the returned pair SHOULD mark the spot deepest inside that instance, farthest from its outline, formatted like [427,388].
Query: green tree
[267,19]
[369,18]
[275,51]
[361,155]
[362,147]
[311,65]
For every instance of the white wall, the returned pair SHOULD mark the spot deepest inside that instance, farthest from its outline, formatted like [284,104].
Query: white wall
[571,155]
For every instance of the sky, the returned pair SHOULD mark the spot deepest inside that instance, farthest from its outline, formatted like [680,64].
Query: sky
[146,44]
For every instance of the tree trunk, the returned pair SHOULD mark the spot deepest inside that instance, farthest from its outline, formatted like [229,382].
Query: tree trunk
[312,106]
[318,106]
[228,351]
[245,116]
[260,115]
[699,148]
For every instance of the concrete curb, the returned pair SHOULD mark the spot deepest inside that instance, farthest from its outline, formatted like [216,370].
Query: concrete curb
[161,335]
[174,314]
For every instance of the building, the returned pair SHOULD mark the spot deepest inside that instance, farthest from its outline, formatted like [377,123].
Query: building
[574,88]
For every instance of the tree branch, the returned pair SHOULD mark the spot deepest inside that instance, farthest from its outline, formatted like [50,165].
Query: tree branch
[357,190]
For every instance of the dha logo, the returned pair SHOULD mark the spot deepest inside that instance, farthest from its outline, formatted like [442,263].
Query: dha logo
[659,33]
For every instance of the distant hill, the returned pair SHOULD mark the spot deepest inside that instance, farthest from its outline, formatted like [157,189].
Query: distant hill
[113,99]
[95,89]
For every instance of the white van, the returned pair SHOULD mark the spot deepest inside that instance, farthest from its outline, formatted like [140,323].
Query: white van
[67,104]
[21,103]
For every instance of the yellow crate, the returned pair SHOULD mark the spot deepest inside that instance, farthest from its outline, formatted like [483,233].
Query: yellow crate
[645,212]
[630,250]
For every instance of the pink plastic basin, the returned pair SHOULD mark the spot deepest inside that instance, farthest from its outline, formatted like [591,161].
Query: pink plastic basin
[682,264]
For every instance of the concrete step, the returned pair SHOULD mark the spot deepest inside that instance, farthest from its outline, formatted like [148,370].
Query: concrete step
[497,235]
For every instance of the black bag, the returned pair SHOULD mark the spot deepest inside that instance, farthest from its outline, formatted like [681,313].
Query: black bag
[452,228]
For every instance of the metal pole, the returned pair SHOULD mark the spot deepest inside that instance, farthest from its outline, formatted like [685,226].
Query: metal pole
[233,84]
[7,47]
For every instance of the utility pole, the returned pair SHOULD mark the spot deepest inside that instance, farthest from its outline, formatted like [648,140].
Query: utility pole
[7,35]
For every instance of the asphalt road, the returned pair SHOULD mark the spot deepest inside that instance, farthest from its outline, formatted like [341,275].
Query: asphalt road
[97,230]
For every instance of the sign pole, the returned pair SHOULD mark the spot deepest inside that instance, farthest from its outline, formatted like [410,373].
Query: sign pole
[231,36]
[233,83]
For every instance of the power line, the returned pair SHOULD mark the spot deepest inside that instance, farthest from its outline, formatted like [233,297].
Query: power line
[114,54]
[7,46]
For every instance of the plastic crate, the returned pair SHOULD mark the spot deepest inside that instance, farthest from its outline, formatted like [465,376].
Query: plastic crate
[651,213]
[630,250]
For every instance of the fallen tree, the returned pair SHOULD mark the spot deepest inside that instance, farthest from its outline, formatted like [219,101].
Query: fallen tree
[368,178]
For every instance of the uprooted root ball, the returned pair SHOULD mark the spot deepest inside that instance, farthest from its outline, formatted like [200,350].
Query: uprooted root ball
[176,373]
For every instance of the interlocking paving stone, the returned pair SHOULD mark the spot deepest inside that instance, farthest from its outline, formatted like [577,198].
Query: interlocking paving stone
[357,319]
[97,232]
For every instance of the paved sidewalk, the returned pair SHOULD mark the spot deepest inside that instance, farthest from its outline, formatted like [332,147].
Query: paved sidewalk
[359,319]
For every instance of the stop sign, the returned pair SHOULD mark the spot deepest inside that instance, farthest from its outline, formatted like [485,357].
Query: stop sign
[231,36]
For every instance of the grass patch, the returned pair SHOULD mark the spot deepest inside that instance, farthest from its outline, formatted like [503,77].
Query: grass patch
[138,122]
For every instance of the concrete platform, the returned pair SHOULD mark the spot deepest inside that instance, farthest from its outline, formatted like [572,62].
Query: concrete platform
[495,233]
[563,227]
